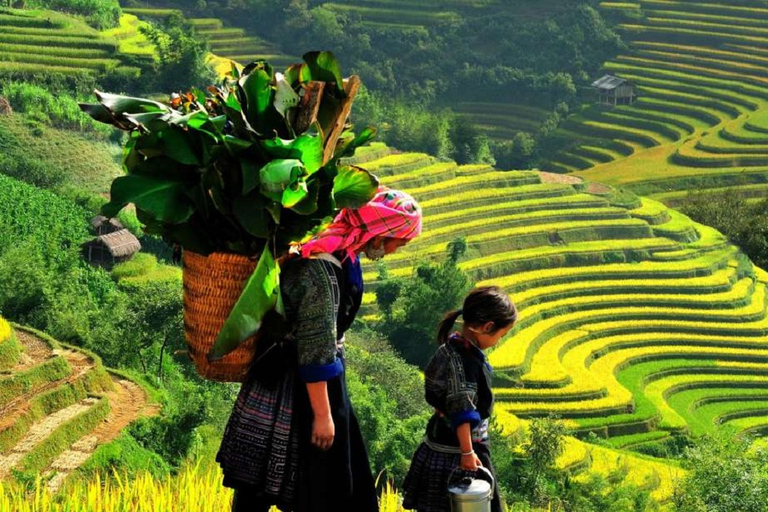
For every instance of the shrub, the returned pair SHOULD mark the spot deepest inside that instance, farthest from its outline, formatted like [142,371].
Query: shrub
[100,14]
[60,109]
[723,475]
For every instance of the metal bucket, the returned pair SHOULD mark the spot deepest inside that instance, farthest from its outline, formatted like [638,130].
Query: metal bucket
[471,494]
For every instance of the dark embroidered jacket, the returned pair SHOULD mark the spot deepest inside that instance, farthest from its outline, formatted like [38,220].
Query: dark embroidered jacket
[458,385]
[320,301]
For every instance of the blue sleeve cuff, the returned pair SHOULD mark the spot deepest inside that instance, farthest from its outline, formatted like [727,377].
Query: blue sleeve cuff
[458,418]
[322,372]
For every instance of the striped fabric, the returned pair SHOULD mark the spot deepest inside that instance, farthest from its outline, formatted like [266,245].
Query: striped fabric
[391,213]
[258,448]
[425,489]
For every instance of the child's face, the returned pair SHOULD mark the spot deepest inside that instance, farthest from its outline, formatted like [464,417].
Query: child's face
[486,337]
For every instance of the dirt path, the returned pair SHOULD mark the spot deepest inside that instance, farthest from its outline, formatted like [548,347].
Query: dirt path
[39,432]
[127,403]
[37,351]
[553,177]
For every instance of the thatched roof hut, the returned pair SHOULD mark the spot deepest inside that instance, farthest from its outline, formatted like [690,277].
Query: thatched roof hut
[5,107]
[111,248]
[102,225]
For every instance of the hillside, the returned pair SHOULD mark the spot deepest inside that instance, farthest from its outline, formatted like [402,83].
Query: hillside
[47,156]
[225,41]
[31,40]
[637,324]
[58,404]
[700,120]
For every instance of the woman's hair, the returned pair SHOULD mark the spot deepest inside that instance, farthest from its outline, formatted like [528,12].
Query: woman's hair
[482,305]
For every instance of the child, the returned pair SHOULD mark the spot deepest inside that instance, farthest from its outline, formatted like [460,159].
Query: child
[458,386]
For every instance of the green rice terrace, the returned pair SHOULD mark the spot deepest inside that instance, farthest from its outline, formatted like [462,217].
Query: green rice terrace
[227,42]
[31,40]
[637,323]
[700,120]
[58,404]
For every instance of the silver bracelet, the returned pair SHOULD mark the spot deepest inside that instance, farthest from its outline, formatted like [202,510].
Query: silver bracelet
[471,452]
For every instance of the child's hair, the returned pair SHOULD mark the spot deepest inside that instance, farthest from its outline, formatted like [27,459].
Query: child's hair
[482,305]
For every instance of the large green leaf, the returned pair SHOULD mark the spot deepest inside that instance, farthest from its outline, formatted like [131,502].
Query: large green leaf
[307,147]
[235,146]
[258,91]
[178,144]
[308,204]
[147,120]
[285,97]
[348,149]
[172,142]
[277,176]
[129,105]
[251,211]
[293,74]
[165,200]
[324,67]
[233,103]
[259,296]
[294,193]
[251,177]
[354,186]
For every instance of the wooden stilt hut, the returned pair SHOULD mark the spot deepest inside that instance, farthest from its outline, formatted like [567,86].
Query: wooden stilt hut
[613,91]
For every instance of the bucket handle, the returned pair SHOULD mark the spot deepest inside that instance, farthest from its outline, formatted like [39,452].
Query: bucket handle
[481,469]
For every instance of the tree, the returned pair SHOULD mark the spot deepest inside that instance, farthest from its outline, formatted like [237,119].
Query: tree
[412,318]
[724,475]
[516,153]
[470,145]
[746,225]
[181,55]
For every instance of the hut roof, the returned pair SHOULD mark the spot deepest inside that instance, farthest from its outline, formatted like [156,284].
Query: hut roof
[120,243]
[609,82]
[100,220]
[5,107]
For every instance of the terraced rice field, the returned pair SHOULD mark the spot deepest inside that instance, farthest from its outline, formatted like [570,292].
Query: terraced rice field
[36,40]
[498,120]
[700,69]
[404,15]
[636,322]
[58,404]
[228,42]
[501,121]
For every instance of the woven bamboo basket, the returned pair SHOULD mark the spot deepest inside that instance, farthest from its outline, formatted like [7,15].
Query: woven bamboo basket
[212,285]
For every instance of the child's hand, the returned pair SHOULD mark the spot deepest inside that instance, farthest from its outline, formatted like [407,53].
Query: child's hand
[470,462]
[323,432]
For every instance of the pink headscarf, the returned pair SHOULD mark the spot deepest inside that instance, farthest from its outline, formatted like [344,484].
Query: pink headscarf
[391,213]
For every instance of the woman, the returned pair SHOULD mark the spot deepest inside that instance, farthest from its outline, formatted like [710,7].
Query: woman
[293,439]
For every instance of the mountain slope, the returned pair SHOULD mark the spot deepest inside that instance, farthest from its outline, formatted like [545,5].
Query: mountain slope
[635,320]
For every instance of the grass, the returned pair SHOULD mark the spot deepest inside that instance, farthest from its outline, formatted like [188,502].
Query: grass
[144,267]
[192,490]
[85,163]
[19,383]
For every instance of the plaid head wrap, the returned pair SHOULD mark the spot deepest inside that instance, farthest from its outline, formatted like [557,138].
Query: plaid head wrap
[391,213]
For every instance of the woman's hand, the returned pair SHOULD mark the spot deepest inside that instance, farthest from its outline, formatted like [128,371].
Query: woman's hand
[323,432]
[470,462]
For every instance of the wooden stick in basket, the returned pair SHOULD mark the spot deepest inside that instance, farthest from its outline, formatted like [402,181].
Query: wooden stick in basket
[309,107]
[351,86]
